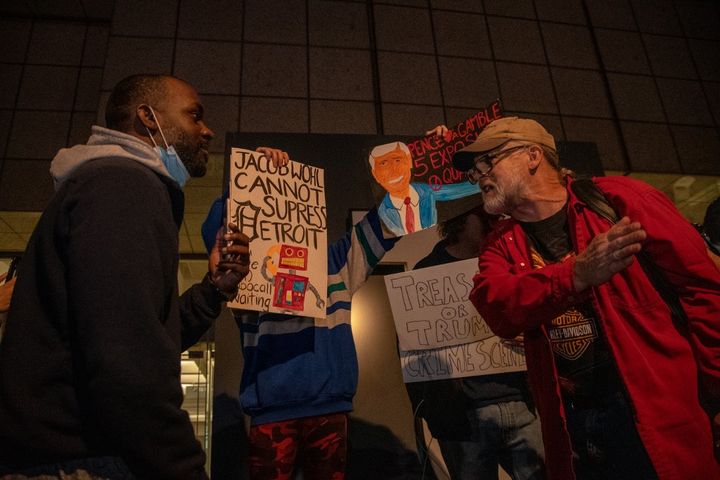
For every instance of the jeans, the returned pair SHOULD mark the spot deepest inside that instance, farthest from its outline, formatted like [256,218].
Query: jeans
[506,434]
[606,445]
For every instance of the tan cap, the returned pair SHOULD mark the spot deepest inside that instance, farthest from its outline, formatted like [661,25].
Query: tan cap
[498,132]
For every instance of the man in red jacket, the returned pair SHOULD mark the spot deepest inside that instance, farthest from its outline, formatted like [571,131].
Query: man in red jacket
[616,380]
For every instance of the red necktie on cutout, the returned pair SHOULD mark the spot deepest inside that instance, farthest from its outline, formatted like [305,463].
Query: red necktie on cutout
[409,216]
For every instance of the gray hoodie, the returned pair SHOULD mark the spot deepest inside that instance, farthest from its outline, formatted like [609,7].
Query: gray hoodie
[104,143]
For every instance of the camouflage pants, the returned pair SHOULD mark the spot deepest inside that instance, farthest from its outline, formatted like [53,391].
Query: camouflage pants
[317,445]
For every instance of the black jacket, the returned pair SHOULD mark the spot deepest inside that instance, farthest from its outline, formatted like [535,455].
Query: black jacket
[89,364]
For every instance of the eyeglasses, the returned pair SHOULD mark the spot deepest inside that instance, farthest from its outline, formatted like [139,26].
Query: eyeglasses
[485,163]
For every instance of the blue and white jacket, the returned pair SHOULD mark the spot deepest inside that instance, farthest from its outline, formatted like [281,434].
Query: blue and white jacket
[300,366]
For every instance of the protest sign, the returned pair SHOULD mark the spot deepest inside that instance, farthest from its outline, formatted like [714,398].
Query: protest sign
[282,210]
[409,178]
[431,309]
[485,357]
[440,333]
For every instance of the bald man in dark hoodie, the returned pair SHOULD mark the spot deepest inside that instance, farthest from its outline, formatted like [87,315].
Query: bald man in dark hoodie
[90,360]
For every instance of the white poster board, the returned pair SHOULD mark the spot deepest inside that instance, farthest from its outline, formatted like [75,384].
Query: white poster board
[485,357]
[440,333]
[282,210]
[431,308]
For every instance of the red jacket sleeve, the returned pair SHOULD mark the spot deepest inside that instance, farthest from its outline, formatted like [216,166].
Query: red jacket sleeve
[511,296]
[674,245]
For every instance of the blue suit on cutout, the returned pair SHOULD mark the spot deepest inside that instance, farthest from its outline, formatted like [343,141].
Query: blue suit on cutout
[390,215]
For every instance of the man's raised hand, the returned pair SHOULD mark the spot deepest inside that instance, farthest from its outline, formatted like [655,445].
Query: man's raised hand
[607,254]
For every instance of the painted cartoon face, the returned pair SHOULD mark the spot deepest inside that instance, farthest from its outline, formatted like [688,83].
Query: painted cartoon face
[393,171]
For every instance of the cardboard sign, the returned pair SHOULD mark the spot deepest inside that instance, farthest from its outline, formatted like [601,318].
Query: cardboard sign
[440,333]
[410,178]
[431,309]
[432,156]
[486,357]
[282,210]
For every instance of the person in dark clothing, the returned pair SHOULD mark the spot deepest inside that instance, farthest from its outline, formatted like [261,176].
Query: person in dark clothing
[483,421]
[711,223]
[90,360]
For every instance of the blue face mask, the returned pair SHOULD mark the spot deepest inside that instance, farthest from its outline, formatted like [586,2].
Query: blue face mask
[168,155]
[173,164]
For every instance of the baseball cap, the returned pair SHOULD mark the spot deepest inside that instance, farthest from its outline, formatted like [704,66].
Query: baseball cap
[498,132]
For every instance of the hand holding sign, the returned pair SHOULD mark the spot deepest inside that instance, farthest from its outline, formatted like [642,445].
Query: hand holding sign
[440,131]
[229,260]
[279,158]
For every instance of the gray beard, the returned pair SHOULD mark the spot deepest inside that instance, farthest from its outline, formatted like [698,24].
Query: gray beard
[497,204]
[504,198]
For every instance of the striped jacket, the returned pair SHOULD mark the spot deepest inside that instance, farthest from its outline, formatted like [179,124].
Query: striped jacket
[300,366]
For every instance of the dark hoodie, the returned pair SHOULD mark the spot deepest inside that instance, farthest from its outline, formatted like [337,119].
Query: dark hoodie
[89,364]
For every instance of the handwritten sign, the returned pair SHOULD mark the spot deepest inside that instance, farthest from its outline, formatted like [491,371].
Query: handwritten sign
[410,178]
[440,333]
[431,309]
[282,210]
[432,155]
[486,357]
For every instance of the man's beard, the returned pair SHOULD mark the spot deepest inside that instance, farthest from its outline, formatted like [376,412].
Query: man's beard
[502,199]
[192,155]
[495,205]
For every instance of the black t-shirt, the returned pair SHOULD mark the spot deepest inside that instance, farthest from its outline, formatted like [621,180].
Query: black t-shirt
[550,237]
[581,353]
